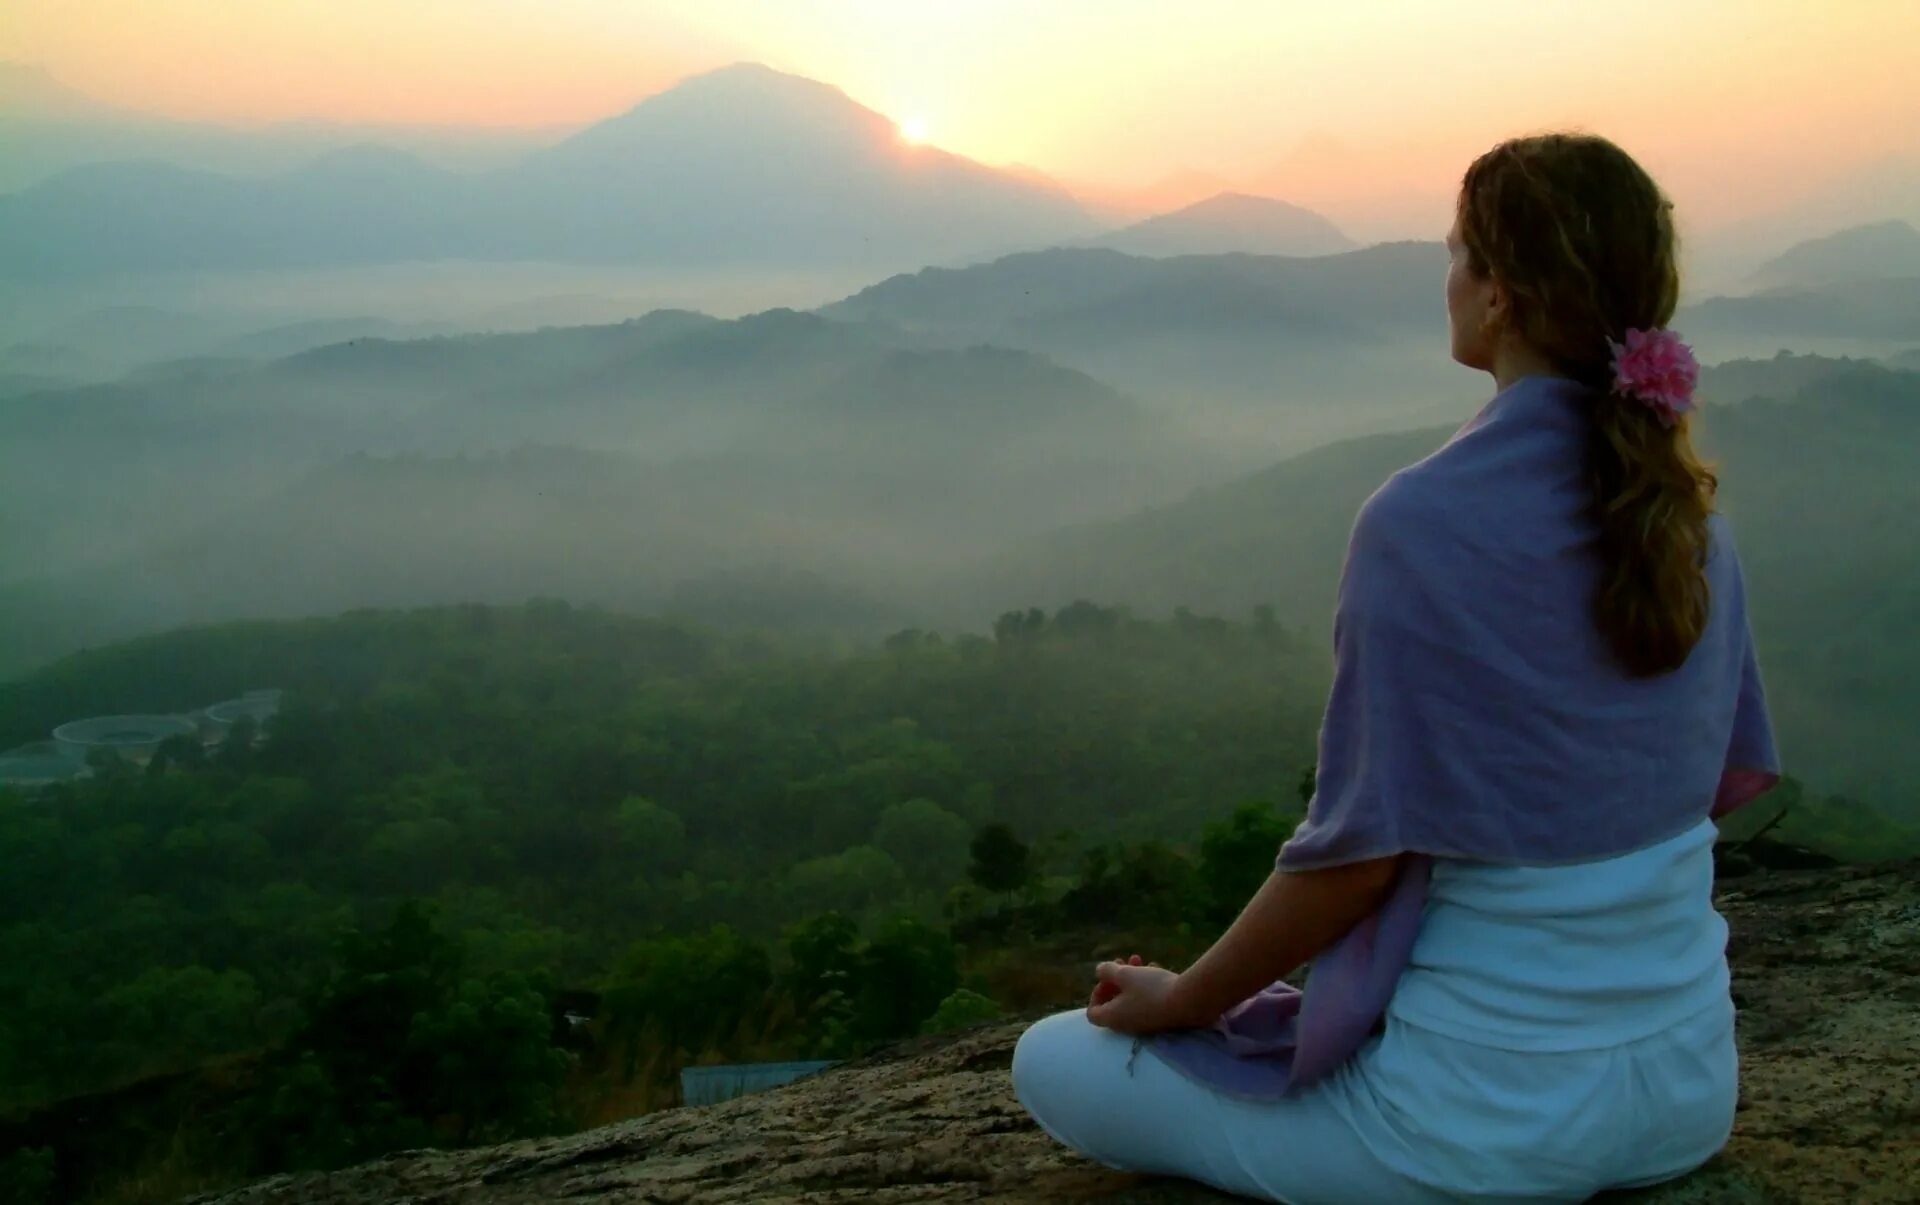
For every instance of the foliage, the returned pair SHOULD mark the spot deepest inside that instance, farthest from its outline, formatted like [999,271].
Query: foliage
[691,990]
[999,859]
[1132,885]
[27,1177]
[562,784]
[1236,856]
[959,1010]
[401,1047]
[1837,826]
[906,970]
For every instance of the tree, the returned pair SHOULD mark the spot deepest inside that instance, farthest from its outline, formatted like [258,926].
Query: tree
[694,990]
[1000,860]
[1147,883]
[928,841]
[177,752]
[657,836]
[1236,856]
[487,1057]
[822,976]
[236,747]
[823,956]
[907,969]
[959,1010]
[187,1012]
[27,1176]
[851,881]
[398,1039]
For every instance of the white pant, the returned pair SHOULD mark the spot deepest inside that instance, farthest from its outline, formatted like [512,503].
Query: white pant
[1415,1117]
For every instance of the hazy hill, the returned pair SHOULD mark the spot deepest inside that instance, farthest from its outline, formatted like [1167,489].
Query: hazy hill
[1376,289]
[101,343]
[776,443]
[1870,252]
[741,166]
[1782,375]
[1231,222]
[1864,312]
[1276,352]
[1820,484]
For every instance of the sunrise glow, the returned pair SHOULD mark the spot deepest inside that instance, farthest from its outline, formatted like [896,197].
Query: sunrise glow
[1366,109]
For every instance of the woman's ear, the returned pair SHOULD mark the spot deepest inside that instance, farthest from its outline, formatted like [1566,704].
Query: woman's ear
[1499,310]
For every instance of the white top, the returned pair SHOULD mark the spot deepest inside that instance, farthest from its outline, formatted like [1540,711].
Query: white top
[1569,957]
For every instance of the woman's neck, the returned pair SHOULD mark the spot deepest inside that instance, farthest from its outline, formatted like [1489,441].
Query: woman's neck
[1512,361]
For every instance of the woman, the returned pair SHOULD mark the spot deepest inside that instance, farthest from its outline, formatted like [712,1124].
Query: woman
[1544,690]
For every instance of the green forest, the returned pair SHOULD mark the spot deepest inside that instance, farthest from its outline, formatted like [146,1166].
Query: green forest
[495,872]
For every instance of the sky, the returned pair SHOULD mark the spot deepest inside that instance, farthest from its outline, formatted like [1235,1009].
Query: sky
[1732,102]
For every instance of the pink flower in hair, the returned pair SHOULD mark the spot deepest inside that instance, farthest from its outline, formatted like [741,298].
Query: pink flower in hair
[1659,369]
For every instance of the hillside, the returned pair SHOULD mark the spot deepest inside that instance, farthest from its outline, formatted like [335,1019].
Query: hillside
[379,472]
[1830,1091]
[1867,314]
[1375,290]
[1782,375]
[899,467]
[1272,351]
[1872,252]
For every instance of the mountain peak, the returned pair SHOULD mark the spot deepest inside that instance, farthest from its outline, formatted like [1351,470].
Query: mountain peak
[744,108]
[746,70]
[1233,221]
[754,83]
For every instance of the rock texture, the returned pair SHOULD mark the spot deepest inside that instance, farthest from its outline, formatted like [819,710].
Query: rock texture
[1827,974]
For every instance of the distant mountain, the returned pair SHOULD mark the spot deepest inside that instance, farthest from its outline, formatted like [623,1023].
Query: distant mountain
[1909,360]
[743,166]
[47,127]
[1872,252]
[1820,485]
[1231,222]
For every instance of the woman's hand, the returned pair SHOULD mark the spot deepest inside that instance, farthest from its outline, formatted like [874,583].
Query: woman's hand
[1103,990]
[1135,999]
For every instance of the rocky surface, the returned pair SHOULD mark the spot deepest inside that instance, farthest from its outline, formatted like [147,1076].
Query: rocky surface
[1827,974]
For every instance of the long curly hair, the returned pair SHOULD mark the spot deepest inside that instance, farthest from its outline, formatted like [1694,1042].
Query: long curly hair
[1583,240]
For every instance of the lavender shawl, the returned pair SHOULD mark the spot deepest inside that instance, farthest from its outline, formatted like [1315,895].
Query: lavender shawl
[1477,713]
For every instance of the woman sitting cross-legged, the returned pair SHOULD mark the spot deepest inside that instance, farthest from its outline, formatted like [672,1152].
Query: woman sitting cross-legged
[1544,691]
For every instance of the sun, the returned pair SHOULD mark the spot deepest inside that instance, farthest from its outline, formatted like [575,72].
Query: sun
[914,129]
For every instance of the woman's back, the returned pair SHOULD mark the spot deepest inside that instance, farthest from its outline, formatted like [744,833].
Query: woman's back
[1558,1029]
[1568,957]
